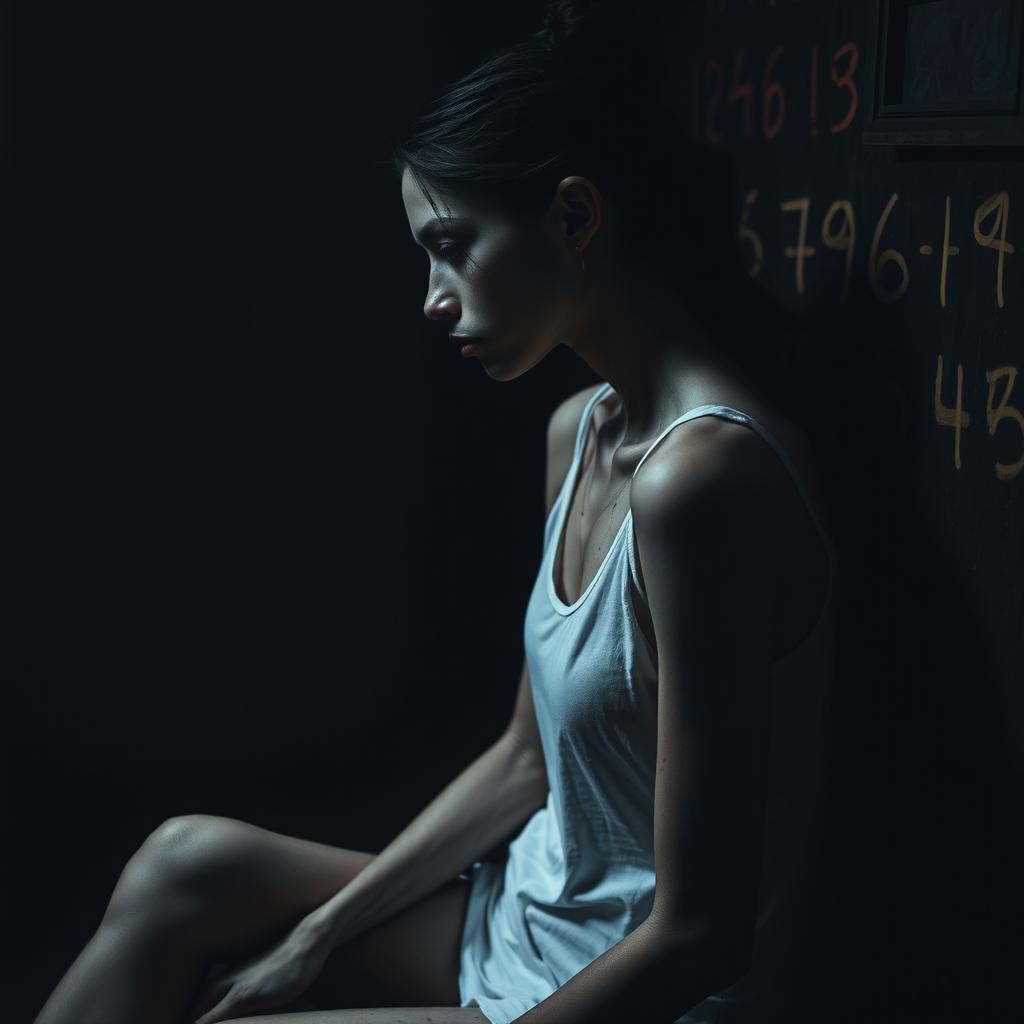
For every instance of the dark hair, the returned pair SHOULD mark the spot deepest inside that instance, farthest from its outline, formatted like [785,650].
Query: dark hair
[585,94]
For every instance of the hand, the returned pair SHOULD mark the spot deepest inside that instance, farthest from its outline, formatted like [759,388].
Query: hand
[269,980]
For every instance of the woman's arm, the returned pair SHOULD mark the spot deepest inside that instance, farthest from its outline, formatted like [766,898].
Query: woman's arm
[703,511]
[483,805]
[496,794]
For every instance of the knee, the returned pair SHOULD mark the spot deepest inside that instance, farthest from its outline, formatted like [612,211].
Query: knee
[178,863]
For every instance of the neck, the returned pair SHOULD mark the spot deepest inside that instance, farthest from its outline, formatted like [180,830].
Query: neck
[659,359]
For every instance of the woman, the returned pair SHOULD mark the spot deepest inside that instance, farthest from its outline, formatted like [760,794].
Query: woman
[660,775]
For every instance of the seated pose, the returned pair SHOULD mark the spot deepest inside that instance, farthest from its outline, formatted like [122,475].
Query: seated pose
[638,844]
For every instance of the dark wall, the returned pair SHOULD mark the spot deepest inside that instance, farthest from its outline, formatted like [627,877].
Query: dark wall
[912,328]
[281,536]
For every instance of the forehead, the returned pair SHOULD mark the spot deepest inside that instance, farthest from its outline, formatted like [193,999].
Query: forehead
[418,209]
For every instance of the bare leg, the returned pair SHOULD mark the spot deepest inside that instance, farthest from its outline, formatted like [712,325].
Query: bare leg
[131,969]
[184,905]
[152,950]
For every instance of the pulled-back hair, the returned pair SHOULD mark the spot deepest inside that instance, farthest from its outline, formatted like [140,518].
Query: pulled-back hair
[586,94]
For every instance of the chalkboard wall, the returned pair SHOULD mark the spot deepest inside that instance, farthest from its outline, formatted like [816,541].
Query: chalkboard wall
[895,234]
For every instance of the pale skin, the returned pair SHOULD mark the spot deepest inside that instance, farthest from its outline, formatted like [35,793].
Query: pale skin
[204,891]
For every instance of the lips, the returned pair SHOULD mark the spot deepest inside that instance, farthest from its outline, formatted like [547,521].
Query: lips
[463,339]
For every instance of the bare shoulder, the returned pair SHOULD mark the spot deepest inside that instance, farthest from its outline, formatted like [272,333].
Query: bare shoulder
[712,485]
[561,435]
[707,539]
[704,459]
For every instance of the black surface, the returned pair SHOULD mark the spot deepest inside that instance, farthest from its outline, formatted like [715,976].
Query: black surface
[281,536]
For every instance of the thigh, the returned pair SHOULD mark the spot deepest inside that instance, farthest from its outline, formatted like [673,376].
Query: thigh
[246,886]
[411,959]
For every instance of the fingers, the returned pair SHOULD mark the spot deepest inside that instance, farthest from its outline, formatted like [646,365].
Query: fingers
[222,1011]
[237,1001]
[211,994]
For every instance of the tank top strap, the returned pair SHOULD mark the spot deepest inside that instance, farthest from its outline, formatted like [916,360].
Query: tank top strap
[700,410]
[742,417]
[588,411]
[554,513]
[727,412]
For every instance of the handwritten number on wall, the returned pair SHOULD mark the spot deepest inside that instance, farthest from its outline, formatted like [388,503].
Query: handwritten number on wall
[959,419]
[994,414]
[843,240]
[876,262]
[801,249]
[1000,204]
[845,81]
[741,91]
[748,234]
[709,92]
[772,96]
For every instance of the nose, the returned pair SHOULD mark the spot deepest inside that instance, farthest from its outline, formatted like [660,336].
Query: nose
[441,307]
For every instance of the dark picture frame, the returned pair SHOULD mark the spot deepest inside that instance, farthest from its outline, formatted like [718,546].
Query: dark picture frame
[945,73]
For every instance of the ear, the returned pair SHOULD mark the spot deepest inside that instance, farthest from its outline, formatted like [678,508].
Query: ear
[580,210]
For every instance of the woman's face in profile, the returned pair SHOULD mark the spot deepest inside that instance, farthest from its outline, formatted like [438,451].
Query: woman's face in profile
[514,295]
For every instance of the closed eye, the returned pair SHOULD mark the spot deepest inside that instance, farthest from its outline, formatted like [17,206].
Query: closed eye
[454,252]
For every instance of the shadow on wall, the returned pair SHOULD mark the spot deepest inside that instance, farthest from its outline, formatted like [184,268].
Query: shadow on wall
[923,899]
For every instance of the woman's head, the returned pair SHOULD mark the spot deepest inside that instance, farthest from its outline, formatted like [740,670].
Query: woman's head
[560,143]
[511,281]
[581,96]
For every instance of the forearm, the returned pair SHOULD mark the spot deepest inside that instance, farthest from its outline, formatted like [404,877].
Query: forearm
[483,805]
[646,977]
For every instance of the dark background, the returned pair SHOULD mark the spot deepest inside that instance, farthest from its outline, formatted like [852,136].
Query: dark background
[281,536]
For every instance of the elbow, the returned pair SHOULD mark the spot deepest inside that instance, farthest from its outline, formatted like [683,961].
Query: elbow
[720,960]
[529,755]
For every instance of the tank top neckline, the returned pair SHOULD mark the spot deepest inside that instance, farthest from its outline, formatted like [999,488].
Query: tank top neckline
[569,484]
[565,499]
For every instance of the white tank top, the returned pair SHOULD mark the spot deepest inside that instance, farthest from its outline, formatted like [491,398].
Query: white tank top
[579,876]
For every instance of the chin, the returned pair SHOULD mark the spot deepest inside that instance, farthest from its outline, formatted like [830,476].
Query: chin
[503,369]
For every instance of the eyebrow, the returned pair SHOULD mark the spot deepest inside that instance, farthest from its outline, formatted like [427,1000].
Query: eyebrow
[437,226]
